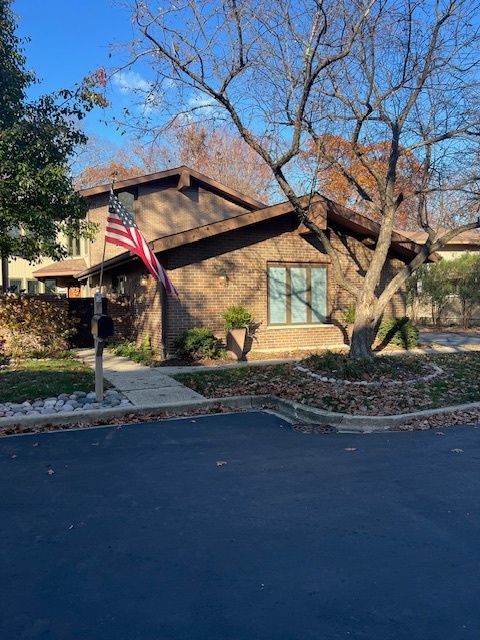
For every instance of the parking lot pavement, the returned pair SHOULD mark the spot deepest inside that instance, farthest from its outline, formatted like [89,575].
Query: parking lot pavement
[235,527]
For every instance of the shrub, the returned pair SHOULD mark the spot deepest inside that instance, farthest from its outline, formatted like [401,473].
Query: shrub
[31,327]
[348,315]
[143,354]
[197,343]
[340,366]
[237,317]
[398,332]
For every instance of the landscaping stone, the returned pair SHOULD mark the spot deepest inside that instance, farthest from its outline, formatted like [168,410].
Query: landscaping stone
[64,403]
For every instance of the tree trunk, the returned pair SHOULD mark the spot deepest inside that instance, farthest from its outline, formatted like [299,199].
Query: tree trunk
[363,332]
[4,274]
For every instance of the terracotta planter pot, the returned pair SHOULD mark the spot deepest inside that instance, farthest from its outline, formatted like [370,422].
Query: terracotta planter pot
[236,343]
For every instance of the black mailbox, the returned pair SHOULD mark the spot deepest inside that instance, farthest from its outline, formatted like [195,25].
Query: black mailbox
[102,326]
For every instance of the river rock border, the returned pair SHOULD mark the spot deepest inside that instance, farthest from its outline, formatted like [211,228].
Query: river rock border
[437,371]
[64,403]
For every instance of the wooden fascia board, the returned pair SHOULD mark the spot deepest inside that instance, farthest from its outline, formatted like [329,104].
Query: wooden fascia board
[183,180]
[130,182]
[184,173]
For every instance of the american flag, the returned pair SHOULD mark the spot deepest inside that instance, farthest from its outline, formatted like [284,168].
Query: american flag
[122,231]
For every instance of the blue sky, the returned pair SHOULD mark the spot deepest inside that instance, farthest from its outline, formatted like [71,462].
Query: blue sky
[69,39]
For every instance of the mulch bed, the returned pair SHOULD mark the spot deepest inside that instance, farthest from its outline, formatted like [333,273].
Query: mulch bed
[457,385]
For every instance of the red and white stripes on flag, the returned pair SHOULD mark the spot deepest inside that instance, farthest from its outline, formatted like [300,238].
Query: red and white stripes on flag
[122,231]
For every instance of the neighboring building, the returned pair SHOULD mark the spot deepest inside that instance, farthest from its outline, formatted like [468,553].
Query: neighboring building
[24,276]
[468,241]
[222,248]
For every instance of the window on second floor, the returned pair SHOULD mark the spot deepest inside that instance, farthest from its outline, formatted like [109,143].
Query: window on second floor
[74,247]
[127,199]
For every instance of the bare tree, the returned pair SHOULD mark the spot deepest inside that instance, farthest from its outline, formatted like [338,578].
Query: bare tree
[217,151]
[395,73]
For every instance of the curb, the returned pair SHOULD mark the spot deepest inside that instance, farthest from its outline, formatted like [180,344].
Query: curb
[288,409]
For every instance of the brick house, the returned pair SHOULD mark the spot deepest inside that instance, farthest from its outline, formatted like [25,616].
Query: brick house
[222,248]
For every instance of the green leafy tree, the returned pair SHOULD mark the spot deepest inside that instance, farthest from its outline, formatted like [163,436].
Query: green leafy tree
[38,138]
[466,276]
[437,284]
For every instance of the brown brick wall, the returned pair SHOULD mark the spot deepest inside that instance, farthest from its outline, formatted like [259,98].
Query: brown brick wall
[199,270]
[140,318]
[162,210]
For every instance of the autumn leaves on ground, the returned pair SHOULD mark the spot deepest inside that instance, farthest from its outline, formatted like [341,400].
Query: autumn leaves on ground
[456,385]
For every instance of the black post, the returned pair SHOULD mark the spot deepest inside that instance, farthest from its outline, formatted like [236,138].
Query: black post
[4,274]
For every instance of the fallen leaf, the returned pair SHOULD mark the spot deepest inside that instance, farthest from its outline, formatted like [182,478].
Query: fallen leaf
[50,472]
[14,455]
[220,463]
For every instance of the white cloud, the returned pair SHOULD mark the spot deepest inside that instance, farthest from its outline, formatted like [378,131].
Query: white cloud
[200,101]
[130,82]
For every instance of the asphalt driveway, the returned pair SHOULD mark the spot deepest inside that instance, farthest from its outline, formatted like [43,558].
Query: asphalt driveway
[234,527]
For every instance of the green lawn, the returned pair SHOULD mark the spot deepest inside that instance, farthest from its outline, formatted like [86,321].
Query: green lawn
[32,379]
[459,383]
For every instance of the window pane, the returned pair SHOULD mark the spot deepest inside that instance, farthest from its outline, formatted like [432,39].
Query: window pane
[74,247]
[32,286]
[50,286]
[277,289]
[298,287]
[15,284]
[319,294]
[128,200]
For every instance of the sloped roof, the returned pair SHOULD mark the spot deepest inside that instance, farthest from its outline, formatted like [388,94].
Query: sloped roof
[471,237]
[68,267]
[185,177]
[323,210]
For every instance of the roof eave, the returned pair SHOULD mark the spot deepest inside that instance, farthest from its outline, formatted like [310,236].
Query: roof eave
[185,174]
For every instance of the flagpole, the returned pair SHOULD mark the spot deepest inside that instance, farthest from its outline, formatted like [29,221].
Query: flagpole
[114,175]
[98,311]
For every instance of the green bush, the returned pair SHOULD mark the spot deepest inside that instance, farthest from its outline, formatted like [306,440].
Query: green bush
[397,332]
[348,315]
[237,317]
[128,349]
[197,343]
[31,327]
[339,365]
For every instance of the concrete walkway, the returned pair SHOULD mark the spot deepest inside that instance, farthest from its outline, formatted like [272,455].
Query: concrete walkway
[140,384]
[452,340]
